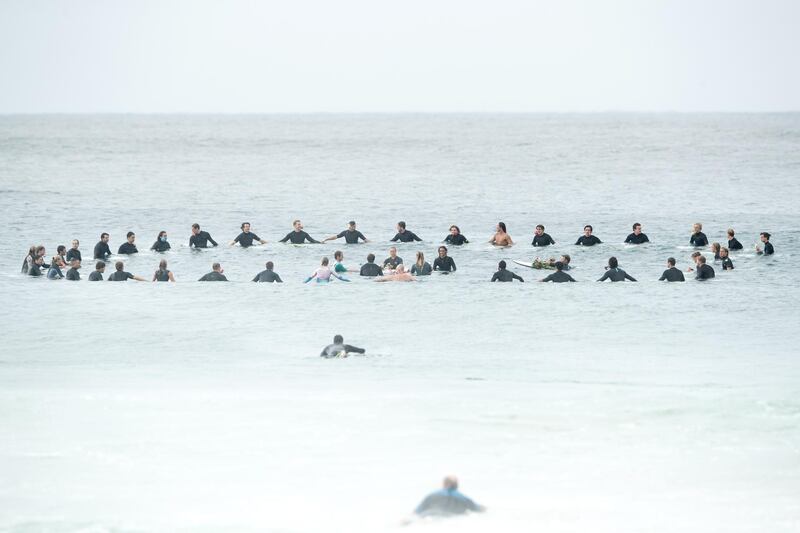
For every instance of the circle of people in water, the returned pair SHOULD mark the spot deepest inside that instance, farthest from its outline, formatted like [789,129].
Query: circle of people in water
[390,269]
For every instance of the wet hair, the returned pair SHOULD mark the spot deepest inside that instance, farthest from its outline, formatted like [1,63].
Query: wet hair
[103,235]
[161,233]
[702,259]
[699,225]
[402,224]
[450,482]
[295,221]
[559,266]
[244,224]
[40,250]
[370,258]
[74,261]
[696,254]
[588,226]
[61,248]
[501,265]
[324,261]
[567,258]
[130,234]
[502,226]
[100,265]
[612,262]
[76,241]
[32,251]
[715,247]
[636,225]
[731,233]
[119,266]
[196,226]
[540,226]
[766,235]
[420,259]
[443,248]
[269,265]
[215,266]
[671,261]
[724,249]
[338,339]
[162,264]
[338,255]
[458,230]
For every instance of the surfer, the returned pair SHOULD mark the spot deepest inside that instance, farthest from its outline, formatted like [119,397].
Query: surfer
[324,274]
[268,276]
[297,235]
[501,236]
[74,253]
[587,239]
[370,269]
[351,234]
[540,238]
[455,238]
[391,262]
[162,274]
[448,501]
[404,235]
[505,275]
[97,275]
[161,244]
[246,237]
[724,255]
[733,242]
[444,263]
[614,273]
[768,249]
[128,248]
[200,239]
[637,237]
[698,238]
[672,273]
[121,275]
[72,273]
[101,249]
[421,267]
[339,348]
[216,274]
[704,271]
[559,276]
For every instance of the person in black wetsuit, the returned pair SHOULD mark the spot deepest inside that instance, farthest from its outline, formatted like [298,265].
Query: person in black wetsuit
[246,237]
[128,248]
[447,502]
[74,253]
[587,239]
[733,242]
[420,266]
[540,238]
[163,274]
[72,273]
[297,235]
[637,237]
[215,274]
[715,248]
[370,269]
[614,273]
[724,255]
[55,268]
[97,275]
[505,275]
[768,249]
[455,238]
[61,250]
[339,349]
[35,269]
[101,249]
[161,244]
[704,271]
[698,238]
[404,235]
[444,263]
[351,234]
[391,262]
[268,276]
[200,239]
[672,273]
[559,276]
[120,275]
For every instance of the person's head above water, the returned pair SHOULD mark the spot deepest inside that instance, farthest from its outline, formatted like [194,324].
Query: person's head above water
[119,266]
[100,266]
[104,237]
[765,236]
[671,262]
[245,227]
[501,226]
[715,247]
[269,265]
[559,266]
[216,267]
[75,244]
[450,483]
[723,252]
[338,255]
[637,228]
[401,226]
[298,226]
[731,233]
[370,258]
[162,265]
[612,262]
[539,229]
[442,251]
[697,227]
[392,252]
[565,259]
[162,236]
[351,225]
[400,268]
[587,229]
[502,265]
[455,230]
[61,250]
[195,228]
[131,236]
[324,261]
[701,260]
[420,259]
[338,339]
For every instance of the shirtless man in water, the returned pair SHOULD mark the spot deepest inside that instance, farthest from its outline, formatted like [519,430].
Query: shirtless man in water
[400,274]
[501,237]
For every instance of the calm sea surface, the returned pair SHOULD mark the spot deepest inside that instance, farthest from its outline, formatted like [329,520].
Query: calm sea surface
[581,407]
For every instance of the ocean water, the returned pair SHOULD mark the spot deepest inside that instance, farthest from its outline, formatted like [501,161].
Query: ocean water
[579,407]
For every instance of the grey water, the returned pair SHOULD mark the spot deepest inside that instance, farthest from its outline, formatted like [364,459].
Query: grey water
[577,407]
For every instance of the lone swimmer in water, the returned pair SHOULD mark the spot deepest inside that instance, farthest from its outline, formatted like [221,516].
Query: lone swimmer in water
[501,236]
[351,234]
[101,249]
[163,274]
[447,502]
[216,274]
[297,235]
[404,235]
[200,239]
[540,238]
[672,273]
[339,348]
[268,276]
[587,239]
[637,237]
[768,249]
[614,273]
[559,276]
[128,248]
[505,275]
[246,237]
[698,238]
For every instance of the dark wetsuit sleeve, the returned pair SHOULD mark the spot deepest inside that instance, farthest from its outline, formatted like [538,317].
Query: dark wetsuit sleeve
[341,234]
[415,237]
[629,277]
[288,236]
[518,277]
[238,237]
[396,237]
[495,277]
[663,276]
[349,348]
[278,279]
[155,246]
[191,241]
[453,263]
[361,236]
[580,239]
[605,276]
[310,239]
[212,241]
[256,278]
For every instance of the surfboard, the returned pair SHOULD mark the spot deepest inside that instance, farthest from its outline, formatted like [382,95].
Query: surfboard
[523,263]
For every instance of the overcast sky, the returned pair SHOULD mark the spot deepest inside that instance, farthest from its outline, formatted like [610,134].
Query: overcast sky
[376,55]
